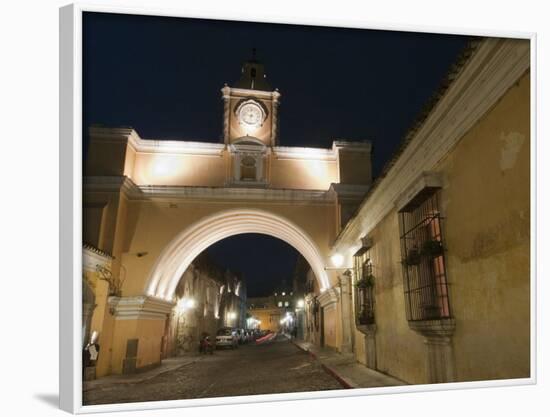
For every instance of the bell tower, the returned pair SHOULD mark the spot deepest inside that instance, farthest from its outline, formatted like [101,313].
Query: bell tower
[250,107]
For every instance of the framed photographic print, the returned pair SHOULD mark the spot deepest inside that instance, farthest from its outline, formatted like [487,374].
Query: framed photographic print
[276,209]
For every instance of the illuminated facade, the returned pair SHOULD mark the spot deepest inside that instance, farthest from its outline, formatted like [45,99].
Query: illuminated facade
[207,297]
[156,205]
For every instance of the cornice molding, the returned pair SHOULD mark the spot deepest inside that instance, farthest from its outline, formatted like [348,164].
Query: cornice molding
[349,191]
[122,184]
[146,192]
[244,92]
[425,180]
[330,296]
[438,328]
[177,147]
[345,145]
[92,258]
[319,154]
[130,136]
[241,146]
[486,77]
[140,308]
[237,193]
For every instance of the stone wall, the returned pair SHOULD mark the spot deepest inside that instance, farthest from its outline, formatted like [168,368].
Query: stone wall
[206,297]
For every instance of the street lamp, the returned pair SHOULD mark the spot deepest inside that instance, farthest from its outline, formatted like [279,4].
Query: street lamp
[337,260]
[185,304]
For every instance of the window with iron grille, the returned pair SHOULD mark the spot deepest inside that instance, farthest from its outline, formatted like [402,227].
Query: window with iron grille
[423,260]
[364,287]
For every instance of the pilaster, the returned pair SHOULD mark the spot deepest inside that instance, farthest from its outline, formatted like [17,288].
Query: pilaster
[226,95]
[275,118]
[440,363]
[346,311]
[369,332]
[139,308]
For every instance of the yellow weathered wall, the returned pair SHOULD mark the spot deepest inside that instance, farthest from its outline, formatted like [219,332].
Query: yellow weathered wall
[302,174]
[148,331]
[106,158]
[359,347]
[179,169]
[330,324]
[129,162]
[487,206]
[151,332]
[354,167]
[400,351]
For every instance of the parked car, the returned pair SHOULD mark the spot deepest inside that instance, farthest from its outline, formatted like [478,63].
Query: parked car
[227,337]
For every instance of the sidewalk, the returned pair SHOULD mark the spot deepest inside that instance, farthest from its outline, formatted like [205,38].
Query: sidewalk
[167,365]
[346,369]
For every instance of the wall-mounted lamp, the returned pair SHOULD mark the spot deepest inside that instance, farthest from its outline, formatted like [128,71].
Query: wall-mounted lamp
[337,260]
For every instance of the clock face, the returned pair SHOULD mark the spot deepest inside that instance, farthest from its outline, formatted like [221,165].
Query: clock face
[251,114]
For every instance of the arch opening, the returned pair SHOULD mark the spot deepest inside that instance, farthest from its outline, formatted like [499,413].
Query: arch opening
[187,245]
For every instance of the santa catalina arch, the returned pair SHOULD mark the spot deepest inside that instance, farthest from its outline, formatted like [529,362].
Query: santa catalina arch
[178,254]
[155,205]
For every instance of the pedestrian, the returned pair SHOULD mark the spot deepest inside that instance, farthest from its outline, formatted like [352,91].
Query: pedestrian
[91,351]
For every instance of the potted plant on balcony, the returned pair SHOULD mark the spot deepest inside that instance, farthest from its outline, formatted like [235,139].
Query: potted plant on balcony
[365,282]
[413,257]
[432,248]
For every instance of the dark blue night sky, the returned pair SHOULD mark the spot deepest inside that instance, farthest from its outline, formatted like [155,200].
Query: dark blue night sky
[162,76]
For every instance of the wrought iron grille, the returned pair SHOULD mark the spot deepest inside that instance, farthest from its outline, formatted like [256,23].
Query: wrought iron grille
[423,260]
[364,289]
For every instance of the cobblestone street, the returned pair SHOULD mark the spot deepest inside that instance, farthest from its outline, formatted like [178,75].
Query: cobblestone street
[270,368]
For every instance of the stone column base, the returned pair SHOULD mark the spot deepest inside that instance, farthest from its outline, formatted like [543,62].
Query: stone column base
[89,373]
[440,364]
[369,330]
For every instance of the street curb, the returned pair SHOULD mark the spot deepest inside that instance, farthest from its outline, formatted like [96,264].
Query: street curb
[338,377]
[345,383]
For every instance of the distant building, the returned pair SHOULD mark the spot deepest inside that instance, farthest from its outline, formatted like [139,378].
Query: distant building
[269,311]
[207,298]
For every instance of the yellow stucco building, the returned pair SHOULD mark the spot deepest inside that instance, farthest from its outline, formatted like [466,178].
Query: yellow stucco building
[440,248]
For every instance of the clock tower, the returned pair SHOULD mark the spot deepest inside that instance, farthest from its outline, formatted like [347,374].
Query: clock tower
[250,107]
[250,124]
